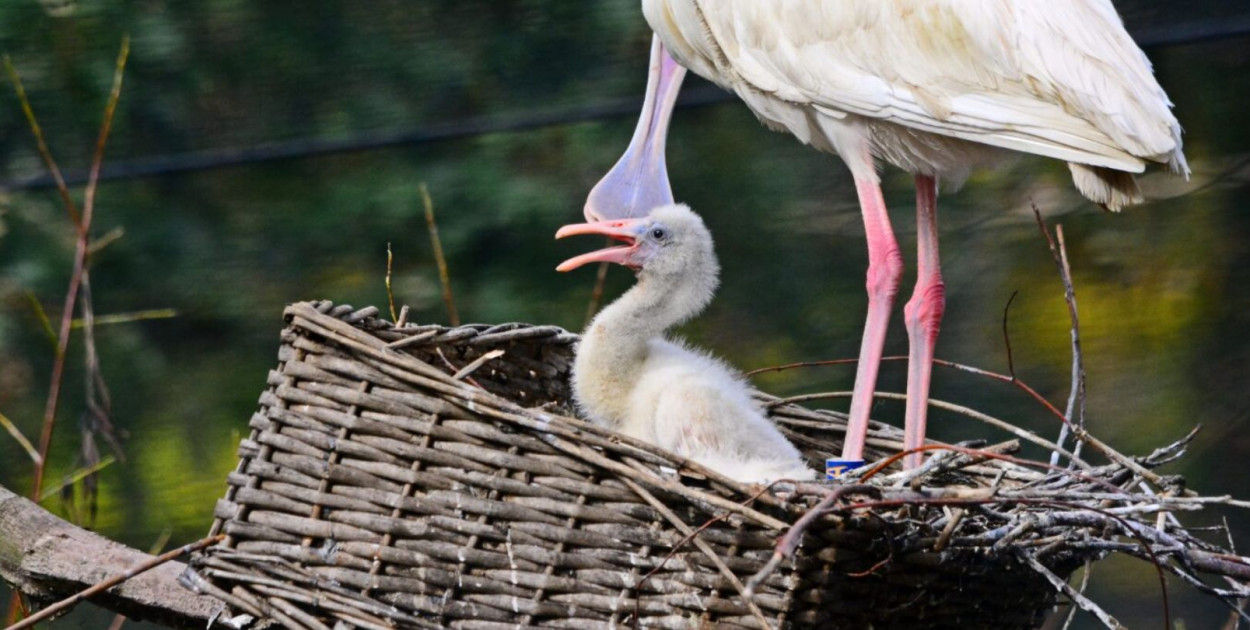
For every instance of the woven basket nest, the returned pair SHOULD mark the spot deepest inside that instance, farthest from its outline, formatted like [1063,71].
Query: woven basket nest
[422,476]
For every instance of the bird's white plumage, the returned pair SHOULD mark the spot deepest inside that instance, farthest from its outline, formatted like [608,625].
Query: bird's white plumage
[628,377]
[934,86]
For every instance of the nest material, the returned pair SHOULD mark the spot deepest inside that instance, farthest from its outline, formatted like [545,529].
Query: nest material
[416,476]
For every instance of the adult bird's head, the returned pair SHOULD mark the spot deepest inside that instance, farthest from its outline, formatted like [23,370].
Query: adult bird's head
[639,180]
[671,241]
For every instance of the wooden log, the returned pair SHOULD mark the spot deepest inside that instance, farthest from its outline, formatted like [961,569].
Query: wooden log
[49,559]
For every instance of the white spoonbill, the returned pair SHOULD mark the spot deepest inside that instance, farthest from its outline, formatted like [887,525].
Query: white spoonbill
[935,87]
[629,378]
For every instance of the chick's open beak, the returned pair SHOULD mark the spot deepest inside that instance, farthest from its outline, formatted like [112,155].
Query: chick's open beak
[624,230]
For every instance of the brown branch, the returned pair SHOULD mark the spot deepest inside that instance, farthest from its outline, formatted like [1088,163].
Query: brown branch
[80,265]
[390,295]
[1011,364]
[43,558]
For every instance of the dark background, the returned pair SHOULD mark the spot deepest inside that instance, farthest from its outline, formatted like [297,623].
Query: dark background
[267,152]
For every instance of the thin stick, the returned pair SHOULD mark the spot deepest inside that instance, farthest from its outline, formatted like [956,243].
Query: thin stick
[77,476]
[80,264]
[21,439]
[69,602]
[1011,364]
[44,153]
[959,409]
[1089,567]
[157,547]
[111,237]
[1075,411]
[680,525]
[128,318]
[1011,380]
[437,244]
[390,295]
[790,541]
[687,539]
[477,363]
[1076,394]
[42,316]
[454,370]
[1077,598]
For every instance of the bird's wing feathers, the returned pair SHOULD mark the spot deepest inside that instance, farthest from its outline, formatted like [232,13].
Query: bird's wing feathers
[1059,78]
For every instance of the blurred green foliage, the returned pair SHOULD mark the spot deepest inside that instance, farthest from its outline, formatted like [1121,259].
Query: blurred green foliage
[1164,290]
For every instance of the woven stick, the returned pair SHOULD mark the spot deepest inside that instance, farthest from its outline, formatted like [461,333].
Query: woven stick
[703,546]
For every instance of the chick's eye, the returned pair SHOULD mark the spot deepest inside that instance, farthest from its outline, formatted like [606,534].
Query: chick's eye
[659,234]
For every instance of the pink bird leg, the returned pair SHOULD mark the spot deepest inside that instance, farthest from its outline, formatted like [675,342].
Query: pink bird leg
[885,269]
[923,316]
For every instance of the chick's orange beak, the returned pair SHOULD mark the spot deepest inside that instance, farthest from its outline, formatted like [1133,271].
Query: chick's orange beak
[624,230]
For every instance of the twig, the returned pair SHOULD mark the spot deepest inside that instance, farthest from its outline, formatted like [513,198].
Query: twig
[1140,532]
[1089,568]
[959,409]
[80,261]
[390,295]
[408,341]
[1075,411]
[42,316]
[77,476]
[686,539]
[790,541]
[1011,380]
[1079,599]
[1127,462]
[21,439]
[1011,364]
[97,419]
[128,318]
[707,550]
[156,548]
[70,208]
[69,602]
[112,236]
[454,370]
[477,363]
[437,244]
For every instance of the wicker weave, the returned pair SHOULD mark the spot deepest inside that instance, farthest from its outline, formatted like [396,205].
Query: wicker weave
[380,489]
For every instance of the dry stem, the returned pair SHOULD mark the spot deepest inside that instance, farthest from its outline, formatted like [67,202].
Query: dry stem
[80,255]
[443,276]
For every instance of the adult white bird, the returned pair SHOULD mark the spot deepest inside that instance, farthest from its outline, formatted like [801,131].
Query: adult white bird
[629,378]
[935,87]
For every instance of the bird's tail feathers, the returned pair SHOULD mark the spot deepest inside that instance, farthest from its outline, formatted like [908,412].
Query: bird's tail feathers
[1106,187]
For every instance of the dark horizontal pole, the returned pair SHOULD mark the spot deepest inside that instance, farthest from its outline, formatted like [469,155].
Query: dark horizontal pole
[314,147]
[702,95]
